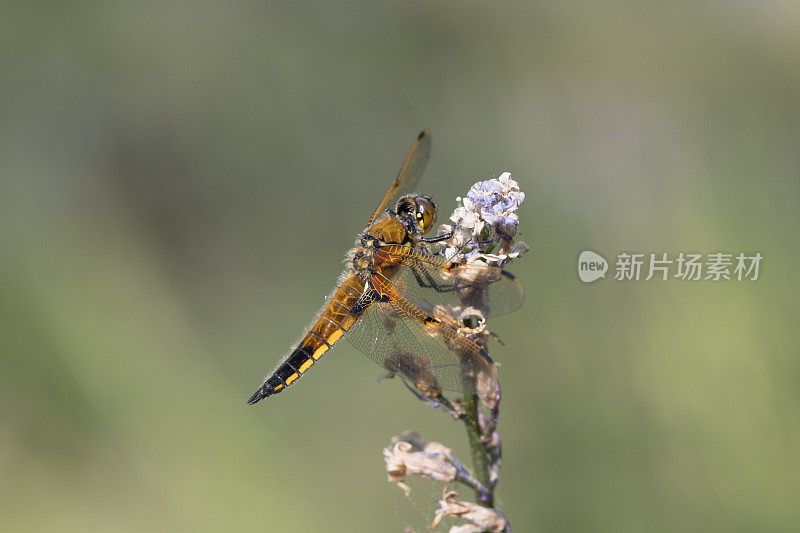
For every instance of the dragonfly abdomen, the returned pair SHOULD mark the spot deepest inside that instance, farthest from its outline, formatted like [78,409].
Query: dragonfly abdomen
[333,321]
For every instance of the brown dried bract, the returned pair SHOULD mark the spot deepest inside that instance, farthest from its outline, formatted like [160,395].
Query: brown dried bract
[477,517]
[409,455]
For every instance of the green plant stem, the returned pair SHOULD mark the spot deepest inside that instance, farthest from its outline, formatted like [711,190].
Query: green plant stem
[480,455]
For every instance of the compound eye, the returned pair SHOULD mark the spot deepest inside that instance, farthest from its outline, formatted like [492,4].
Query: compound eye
[426,213]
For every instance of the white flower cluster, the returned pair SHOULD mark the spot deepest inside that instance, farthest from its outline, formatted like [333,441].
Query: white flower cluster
[485,216]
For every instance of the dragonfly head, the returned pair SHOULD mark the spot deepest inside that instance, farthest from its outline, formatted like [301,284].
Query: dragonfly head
[418,211]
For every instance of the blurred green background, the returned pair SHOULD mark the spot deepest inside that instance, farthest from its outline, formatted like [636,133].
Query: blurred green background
[179,183]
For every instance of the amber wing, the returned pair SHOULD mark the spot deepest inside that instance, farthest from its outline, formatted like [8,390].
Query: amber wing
[432,282]
[409,175]
[427,352]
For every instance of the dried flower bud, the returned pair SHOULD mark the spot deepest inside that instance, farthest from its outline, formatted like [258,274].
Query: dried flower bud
[411,456]
[477,517]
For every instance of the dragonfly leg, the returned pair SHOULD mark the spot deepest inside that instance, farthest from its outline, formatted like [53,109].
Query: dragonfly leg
[440,238]
[431,283]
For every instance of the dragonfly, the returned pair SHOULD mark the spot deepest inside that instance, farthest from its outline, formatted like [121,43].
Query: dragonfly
[401,304]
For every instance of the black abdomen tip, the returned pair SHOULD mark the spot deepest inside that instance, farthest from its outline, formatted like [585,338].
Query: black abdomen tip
[264,391]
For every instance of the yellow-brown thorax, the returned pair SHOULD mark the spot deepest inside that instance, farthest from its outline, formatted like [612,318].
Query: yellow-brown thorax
[412,217]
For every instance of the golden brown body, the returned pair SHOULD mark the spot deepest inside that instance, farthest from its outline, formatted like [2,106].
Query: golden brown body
[341,310]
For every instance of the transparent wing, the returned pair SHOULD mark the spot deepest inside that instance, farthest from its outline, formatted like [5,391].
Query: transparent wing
[409,175]
[429,281]
[429,356]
